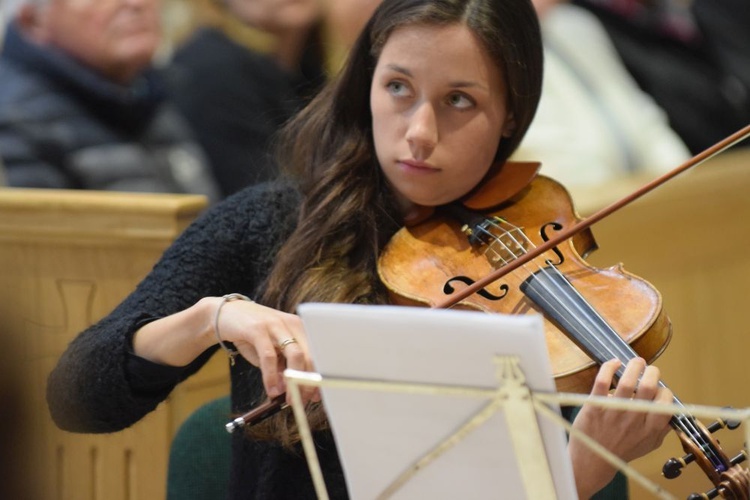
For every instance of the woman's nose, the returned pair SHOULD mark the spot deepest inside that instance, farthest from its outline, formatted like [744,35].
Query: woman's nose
[422,132]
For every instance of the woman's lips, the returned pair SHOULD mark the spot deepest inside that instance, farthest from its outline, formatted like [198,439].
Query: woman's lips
[416,166]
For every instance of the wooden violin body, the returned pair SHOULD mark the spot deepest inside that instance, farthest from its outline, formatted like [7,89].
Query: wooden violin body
[424,264]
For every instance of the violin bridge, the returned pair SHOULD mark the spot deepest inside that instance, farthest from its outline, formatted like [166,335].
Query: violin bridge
[506,246]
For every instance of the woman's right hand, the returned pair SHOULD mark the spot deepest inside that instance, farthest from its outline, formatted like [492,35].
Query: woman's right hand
[270,339]
[258,333]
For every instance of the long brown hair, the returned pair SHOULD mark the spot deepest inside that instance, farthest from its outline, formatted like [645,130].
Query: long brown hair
[348,211]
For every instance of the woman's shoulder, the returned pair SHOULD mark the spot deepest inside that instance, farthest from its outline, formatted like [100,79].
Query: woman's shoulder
[229,246]
[270,196]
[262,209]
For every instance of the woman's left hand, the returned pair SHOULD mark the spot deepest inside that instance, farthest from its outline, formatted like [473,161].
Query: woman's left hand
[627,434]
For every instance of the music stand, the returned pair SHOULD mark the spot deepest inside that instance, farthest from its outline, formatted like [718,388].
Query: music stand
[436,404]
[540,466]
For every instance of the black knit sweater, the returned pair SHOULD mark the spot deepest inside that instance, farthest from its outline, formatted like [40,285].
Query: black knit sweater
[100,386]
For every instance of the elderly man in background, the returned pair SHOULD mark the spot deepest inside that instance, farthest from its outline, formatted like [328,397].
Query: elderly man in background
[81,106]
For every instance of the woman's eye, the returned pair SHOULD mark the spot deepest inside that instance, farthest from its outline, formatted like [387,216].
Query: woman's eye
[397,89]
[460,101]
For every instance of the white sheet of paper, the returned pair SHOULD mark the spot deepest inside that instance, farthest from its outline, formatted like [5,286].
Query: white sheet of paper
[381,434]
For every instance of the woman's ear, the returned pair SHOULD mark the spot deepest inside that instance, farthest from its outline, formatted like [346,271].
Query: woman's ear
[30,19]
[510,126]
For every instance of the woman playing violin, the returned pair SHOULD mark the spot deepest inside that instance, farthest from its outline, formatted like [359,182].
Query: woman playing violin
[434,92]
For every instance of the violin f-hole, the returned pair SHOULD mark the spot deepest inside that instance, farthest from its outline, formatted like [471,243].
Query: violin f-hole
[448,289]
[555,226]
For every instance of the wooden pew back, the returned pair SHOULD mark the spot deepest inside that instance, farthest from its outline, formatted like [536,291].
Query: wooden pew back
[67,258]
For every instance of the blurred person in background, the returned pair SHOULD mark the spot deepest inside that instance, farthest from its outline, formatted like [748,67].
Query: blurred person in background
[343,21]
[691,56]
[81,106]
[594,124]
[244,72]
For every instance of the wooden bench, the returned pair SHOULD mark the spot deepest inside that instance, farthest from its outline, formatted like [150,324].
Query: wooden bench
[67,258]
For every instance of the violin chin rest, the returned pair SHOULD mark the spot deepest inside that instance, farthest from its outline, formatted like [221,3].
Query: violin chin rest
[502,182]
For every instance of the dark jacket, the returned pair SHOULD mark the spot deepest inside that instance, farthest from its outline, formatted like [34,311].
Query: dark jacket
[62,125]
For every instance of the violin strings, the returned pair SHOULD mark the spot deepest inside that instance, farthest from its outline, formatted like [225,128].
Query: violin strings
[605,352]
[616,347]
[609,351]
[616,343]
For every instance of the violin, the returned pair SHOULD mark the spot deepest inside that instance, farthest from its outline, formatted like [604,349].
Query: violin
[515,245]
[423,265]
[590,315]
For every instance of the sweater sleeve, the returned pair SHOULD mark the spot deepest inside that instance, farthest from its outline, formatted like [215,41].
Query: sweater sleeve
[228,249]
